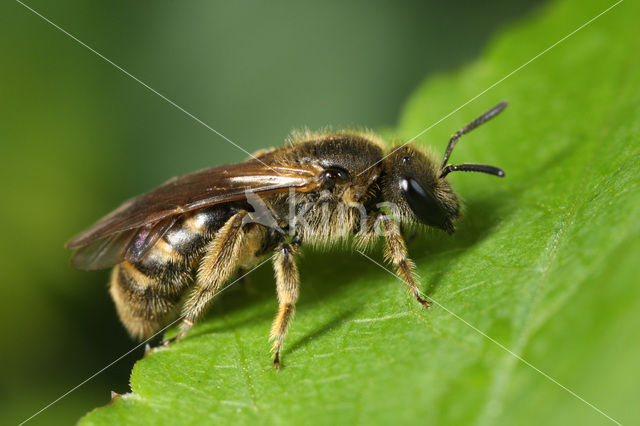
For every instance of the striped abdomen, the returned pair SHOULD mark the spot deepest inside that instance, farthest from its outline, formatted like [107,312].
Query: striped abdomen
[147,292]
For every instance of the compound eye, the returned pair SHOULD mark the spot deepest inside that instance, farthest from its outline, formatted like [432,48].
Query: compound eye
[424,205]
[337,175]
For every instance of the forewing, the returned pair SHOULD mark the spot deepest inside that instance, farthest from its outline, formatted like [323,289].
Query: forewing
[126,245]
[108,241]
[102,253]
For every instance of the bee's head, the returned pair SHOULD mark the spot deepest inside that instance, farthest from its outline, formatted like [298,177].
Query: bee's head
[413,184]
[418,187]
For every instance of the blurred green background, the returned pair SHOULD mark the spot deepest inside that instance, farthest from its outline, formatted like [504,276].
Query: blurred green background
[77,137]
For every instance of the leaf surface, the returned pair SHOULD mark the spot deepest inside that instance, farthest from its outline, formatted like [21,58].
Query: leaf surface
[544,263]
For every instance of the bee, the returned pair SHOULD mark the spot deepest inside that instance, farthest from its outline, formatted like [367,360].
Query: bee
[173,248]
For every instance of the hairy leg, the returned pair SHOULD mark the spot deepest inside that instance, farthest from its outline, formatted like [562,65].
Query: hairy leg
[396,253]
[218,264]
[287,285]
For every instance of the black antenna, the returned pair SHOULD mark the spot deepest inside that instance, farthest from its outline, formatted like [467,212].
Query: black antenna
[469,127]
[482,168]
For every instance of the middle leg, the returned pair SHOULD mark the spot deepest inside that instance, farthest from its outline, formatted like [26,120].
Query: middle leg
[287,285]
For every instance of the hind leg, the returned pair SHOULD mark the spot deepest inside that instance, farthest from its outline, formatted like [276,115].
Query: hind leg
[218,264]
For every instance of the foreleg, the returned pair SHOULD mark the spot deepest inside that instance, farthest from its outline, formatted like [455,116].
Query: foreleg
[396,253]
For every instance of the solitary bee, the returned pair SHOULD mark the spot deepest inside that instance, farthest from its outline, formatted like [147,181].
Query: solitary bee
[173,248]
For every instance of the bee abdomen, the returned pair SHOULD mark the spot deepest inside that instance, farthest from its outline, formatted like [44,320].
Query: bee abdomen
[188,237]
[143,305]
[147,292]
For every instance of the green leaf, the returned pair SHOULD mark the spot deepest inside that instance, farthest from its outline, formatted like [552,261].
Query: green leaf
[544,262]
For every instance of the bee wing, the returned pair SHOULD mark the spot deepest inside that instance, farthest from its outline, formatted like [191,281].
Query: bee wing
[102,253]
[136,225]
[126,245]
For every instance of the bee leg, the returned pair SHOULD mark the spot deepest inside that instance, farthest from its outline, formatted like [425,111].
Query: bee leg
[218,264]
[184,327]
[396,252]
[287,285]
